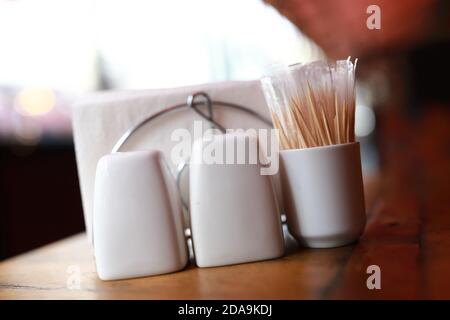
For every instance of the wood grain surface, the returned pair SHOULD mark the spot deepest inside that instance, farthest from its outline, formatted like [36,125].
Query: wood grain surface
[302,274]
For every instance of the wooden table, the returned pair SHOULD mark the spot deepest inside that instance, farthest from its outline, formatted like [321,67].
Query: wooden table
[407,235]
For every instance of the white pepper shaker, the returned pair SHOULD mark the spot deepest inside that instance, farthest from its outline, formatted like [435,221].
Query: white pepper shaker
[138,222]
[234,213]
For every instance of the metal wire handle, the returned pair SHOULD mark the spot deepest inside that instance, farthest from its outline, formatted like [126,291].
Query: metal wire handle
[193,103]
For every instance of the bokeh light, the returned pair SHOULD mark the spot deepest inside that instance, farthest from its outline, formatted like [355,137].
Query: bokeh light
[35,101]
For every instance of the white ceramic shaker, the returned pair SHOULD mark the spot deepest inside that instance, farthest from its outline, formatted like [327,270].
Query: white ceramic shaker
[233,208]
[138,226]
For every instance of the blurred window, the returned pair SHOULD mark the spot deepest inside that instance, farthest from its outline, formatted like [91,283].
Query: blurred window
[53,51]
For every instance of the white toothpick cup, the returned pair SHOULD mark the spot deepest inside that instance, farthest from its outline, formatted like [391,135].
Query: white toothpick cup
[138,227]
[233,208]
[323,194]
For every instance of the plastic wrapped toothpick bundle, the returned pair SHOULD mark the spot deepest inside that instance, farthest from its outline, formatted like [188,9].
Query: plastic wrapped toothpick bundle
[313,106]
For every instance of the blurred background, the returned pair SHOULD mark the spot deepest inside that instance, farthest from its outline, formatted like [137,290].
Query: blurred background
[53,52]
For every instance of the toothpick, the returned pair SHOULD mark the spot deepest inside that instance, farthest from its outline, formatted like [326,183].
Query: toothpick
[314,112]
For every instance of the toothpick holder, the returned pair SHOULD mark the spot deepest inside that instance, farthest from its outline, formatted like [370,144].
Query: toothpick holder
[323,194]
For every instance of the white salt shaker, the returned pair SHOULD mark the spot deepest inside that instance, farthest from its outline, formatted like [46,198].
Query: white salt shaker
[138,226]
[233,208]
